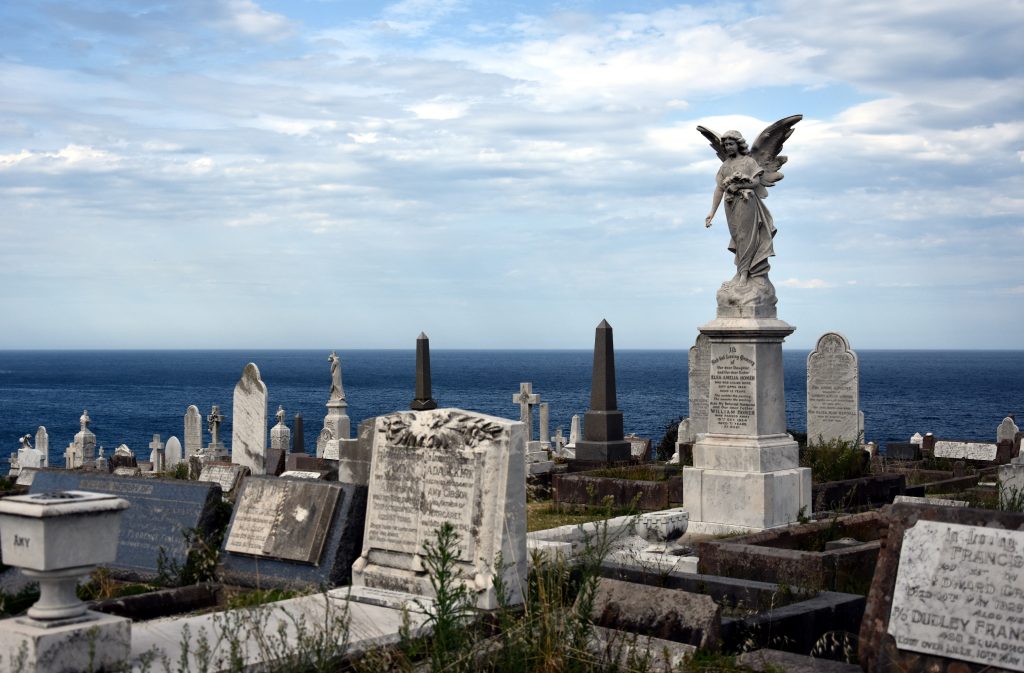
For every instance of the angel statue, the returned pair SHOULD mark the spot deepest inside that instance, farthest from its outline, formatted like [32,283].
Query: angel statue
[743,180]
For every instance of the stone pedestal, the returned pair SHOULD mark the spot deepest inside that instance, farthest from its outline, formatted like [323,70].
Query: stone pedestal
[96,642]
[336,432]
[745,473]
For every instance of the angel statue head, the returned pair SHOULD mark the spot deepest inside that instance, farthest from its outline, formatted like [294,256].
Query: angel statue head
[737,137]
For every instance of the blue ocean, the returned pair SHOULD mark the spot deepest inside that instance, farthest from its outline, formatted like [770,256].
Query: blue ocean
[131,395]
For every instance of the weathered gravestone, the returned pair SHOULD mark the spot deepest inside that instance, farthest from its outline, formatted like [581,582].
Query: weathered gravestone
[965,450]
[1006,431]
[160,513]
[43,444]
[948,592]
[226,475]
[446,466]
[294,532]
[833,398]
[249,421]
[193,431]
[699,376]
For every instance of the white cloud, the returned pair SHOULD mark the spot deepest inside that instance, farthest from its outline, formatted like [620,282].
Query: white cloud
[808,284]
[249,18]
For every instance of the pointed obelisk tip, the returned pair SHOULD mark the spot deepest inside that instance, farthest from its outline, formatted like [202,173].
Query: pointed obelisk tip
[604,325]
[423,335]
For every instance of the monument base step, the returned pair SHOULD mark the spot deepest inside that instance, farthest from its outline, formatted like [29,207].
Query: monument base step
[746,500]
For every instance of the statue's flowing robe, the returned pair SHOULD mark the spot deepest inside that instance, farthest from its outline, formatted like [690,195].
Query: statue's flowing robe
[750,224]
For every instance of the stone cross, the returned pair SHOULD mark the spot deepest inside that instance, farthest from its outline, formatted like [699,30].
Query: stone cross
[526,399]
[215,419]
[558,441]
[156,456]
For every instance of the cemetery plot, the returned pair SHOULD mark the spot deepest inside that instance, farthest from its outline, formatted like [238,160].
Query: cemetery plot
[161,511]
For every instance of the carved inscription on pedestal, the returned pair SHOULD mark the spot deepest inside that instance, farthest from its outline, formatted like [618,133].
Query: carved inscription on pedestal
[698,369]
[412,492]
[960,594]
[732,401]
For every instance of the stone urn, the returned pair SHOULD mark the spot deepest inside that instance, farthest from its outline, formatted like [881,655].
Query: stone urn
[56,538]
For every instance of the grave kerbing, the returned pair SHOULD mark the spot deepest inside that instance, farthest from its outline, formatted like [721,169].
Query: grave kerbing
[603,437]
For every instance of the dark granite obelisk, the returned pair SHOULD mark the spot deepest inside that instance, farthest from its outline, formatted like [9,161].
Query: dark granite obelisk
[602,424]
[424,400]
[298,439]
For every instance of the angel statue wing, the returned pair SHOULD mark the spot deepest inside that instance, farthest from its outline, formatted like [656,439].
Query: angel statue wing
[766,148]
[716,142]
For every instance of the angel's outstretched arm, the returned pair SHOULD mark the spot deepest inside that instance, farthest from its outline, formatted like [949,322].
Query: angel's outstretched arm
[715,202]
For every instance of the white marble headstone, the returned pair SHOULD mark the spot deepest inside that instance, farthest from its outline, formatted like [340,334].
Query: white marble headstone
[833,396]
[917,439]
[1006,431]
[699,376]
[249,421]
[445,465]
[574,431]
[193,431]
[43,444]
[172,453]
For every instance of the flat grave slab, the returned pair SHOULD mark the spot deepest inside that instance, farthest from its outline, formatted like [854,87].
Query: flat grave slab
[293,532]
[965,450]
[948,592]
[161,510]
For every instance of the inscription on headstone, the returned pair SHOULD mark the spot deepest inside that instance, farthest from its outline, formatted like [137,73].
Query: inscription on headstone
[281,518]
[732,400]
[833,395]
[160,511]
[960,594]
[699,373]
[415,492]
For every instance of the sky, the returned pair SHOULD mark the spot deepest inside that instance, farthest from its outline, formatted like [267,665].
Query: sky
[339,174]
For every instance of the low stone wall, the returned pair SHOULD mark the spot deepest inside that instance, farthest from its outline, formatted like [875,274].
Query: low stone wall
[760,614]
[858,494]
[795,554]
[583,488]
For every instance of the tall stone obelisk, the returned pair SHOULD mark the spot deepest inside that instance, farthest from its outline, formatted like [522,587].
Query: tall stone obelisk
[746,474]
[424,400]
[602,424]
